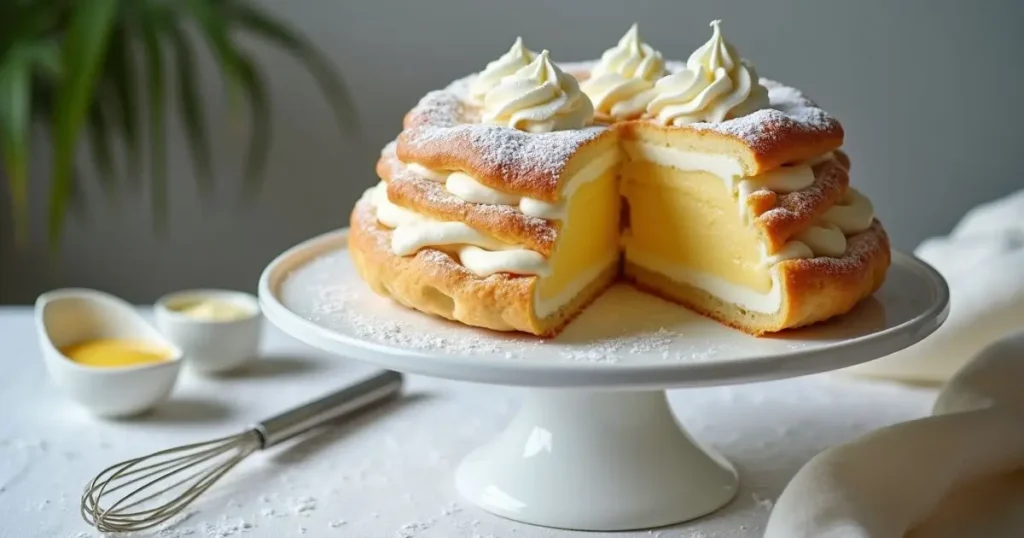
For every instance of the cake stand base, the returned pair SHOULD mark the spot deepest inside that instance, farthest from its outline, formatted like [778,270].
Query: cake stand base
[595,445]
[596,460]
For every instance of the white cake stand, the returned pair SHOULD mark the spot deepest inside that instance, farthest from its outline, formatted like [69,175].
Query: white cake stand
[595,445]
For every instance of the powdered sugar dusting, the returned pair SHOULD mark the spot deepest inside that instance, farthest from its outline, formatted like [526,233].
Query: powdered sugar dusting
[346,304]
[443,132]
[791,113]
[609,351]
[442,108]
[341,300]
[527,163]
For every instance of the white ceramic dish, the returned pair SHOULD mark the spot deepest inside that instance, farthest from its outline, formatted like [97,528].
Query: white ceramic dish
[211,346]
[595,445]
[68,316]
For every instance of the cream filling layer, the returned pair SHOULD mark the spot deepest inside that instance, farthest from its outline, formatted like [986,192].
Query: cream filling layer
[481,255]
[426,173]
[783,180]
[550,306]
[484,256]
[853,214]
[478,253]
[741,296]
[466,188]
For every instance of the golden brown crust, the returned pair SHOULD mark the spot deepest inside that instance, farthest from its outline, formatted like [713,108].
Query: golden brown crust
[777,216]
[504,223]
[823,287]
[812,290]
[431,281]
[781,216]
[442,133]
[843,158]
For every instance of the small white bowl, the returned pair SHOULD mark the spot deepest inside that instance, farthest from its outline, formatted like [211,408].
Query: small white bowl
[211,346]
[68,316]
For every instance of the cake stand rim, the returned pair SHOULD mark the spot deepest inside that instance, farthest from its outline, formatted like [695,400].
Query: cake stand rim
[649,376]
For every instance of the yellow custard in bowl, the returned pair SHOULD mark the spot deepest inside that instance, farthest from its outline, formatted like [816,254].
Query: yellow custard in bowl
[103,354]
[115,353]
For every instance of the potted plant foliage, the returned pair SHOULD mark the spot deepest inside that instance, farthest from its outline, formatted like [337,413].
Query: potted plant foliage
[103,70]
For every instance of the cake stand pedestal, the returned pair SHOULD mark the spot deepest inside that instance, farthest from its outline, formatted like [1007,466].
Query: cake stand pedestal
[595,445]
[596,460]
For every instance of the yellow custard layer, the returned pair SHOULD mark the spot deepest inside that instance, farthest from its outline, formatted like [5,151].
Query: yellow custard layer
[114,353]
[690,218]
[589,236]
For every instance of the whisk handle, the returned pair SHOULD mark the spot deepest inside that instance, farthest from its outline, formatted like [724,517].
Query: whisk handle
[334,405]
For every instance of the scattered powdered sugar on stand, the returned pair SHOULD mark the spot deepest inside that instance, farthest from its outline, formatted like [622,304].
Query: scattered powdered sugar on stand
[341,303]
[609,351]
[328,292]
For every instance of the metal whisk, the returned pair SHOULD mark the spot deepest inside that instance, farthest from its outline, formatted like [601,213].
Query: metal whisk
[154,488]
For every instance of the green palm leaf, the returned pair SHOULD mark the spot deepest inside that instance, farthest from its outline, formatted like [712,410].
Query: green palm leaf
[122,80]
[332,86]
[102,154]
[215,31]
[15,105]
[20,20]
[259,143]
[157,132]
[84,47]
[44,57]
[74,64]
[192,112]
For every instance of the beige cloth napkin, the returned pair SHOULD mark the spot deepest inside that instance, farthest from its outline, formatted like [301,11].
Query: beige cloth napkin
[946,475]
[982,260]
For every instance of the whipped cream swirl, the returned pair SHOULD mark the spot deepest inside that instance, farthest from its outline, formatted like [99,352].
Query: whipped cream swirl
[716,84]
[538,98]
[515,59]
[621,84]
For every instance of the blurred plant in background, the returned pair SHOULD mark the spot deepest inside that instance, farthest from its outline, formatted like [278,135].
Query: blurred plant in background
[105,67]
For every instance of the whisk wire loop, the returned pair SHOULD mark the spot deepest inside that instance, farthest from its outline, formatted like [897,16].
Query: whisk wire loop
[208,461]
[182,474]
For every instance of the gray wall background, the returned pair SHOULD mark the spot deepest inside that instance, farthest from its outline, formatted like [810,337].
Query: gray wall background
[930,93]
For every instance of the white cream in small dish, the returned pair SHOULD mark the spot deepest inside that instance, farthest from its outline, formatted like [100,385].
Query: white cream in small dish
[219,330]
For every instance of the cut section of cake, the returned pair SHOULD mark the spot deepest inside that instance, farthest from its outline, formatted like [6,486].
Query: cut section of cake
[745,174]
[500,212]
[515,196]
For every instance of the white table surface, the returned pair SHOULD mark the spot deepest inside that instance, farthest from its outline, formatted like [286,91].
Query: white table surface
[388,474]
